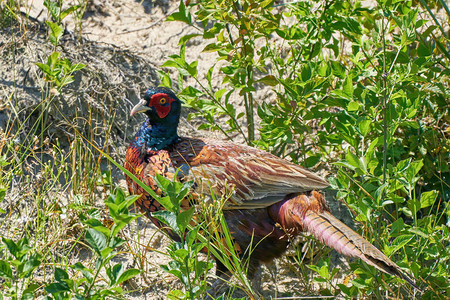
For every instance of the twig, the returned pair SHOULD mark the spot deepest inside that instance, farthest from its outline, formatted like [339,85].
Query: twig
[149,26]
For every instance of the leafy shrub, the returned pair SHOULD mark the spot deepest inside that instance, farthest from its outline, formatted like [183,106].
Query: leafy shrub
[360,90]
[104,242]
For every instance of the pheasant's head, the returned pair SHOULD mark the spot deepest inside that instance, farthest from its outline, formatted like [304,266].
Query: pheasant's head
[160,105]
[163,109]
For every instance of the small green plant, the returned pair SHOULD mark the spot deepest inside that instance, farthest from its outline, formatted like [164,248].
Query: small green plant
[184,250]
[104,241]
[326,273]
[58,72]
[17,269]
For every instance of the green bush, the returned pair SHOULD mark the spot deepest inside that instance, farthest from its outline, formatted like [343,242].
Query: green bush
[360,91]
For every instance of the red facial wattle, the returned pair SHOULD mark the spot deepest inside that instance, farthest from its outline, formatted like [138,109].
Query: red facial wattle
[161,102]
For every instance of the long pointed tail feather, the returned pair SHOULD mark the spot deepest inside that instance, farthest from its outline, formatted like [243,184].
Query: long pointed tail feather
[308,212]
[342,238]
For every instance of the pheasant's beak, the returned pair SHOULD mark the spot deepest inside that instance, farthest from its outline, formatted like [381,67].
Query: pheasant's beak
[140,107]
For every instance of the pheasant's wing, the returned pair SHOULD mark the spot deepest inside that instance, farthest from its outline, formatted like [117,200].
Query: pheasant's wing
[249,177]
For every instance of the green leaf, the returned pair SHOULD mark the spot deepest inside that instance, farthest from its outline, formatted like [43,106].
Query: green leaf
[410,124]
[128,274]
[56,32]
[175,272]
[57,287]
[428,198]
[114,273]
[5,270]
[93,223]
[28,293]
[176,295]
[87,273]
[424,50]
[269,80]
[428,31]
[220,93]
[400,242]
[54,9]
[44,68]
[192,68]
[373,144]
[413,170]
[182,15]
[191,236]
[163,183]
[266,3]
[105,252]
[116,242]
[324,70]
[166,202]
[414,206]
[187,37]
[125,203]
[68,11]
[397,227]
[180,254]
[184,218]
[201,267]
[338,70]
[213,47]
[97,225]
[65,81]
[364,127]
[60,275]
[122,221]
[176,191]
[345,164]
[167,217]
[353,106]
[360,284]
[352,159]
[30,265]
[312,160]
[12,247]
[306,73]
[165,79]
[290,33]
[96,239]
[170,64]
[322,270]
[53,58]
[417,231]
[117,198]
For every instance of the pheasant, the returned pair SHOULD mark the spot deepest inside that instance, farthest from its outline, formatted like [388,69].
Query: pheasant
[270,200]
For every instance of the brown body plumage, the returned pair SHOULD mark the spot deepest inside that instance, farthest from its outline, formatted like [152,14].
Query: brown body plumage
[269,200]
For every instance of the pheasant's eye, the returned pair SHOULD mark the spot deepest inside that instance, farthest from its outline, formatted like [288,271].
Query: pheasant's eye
[162,101]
